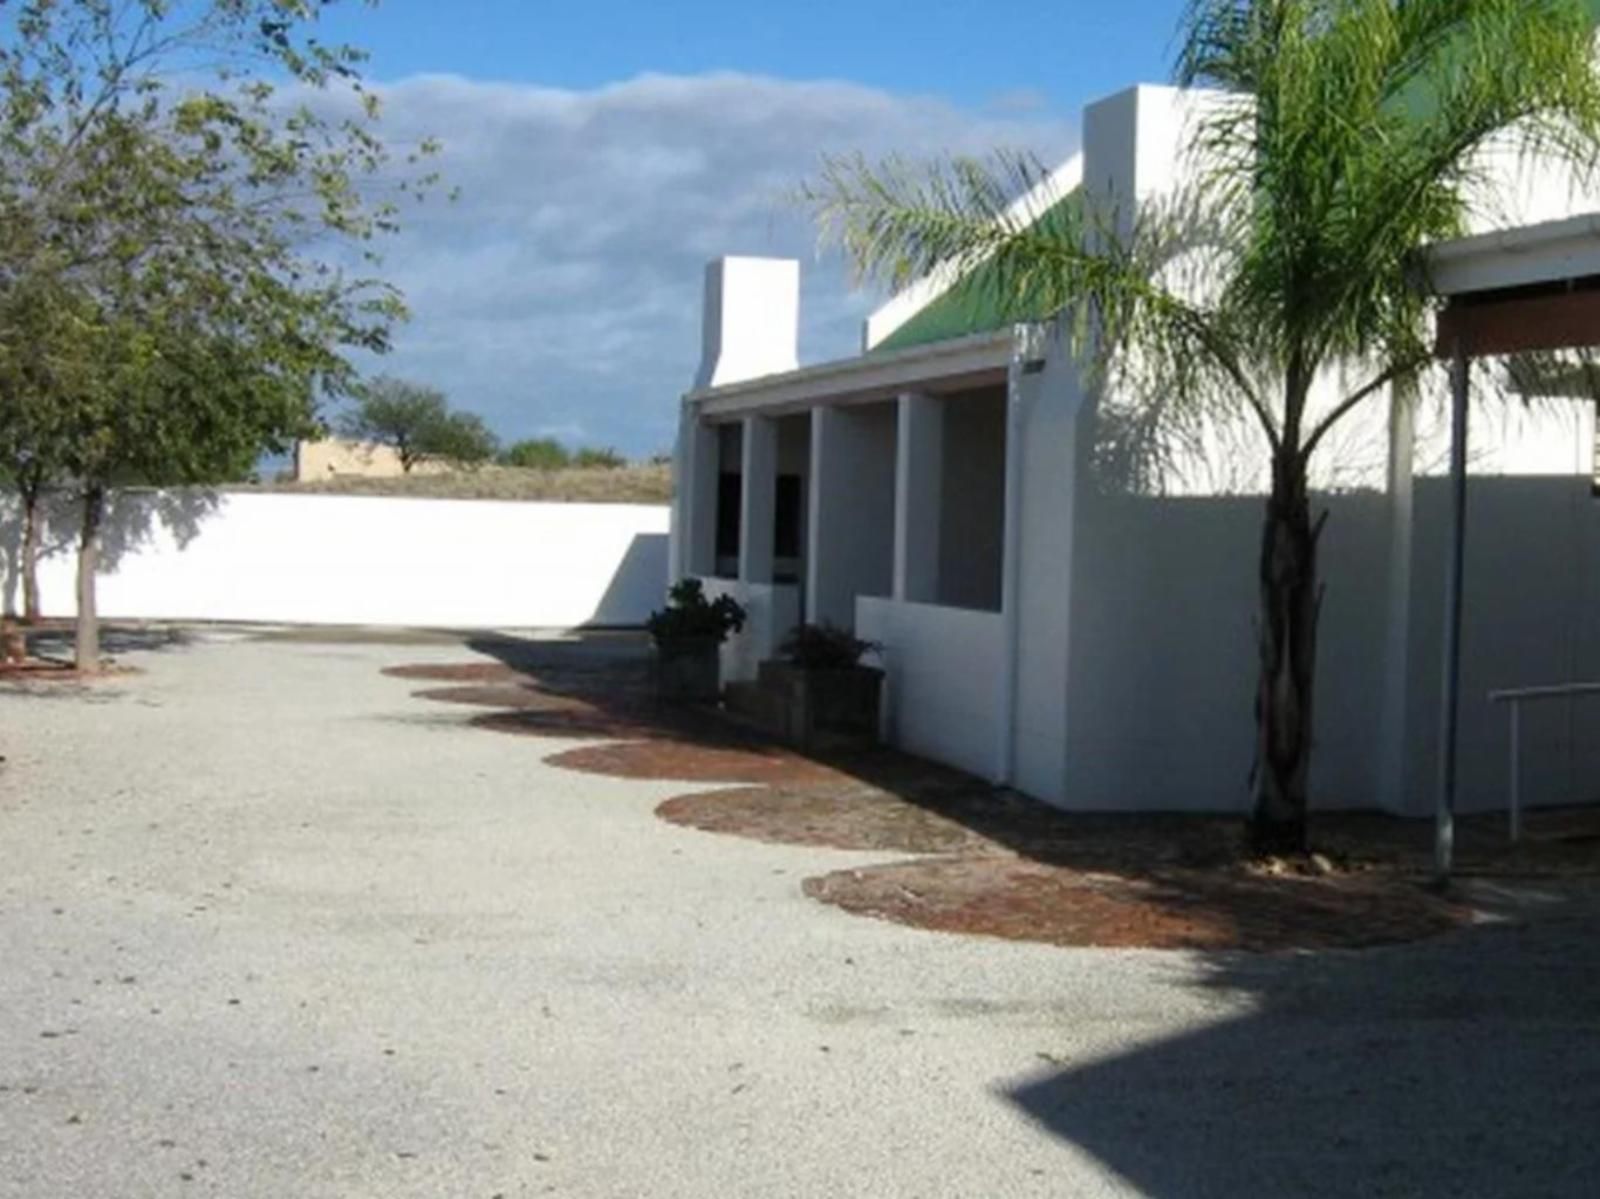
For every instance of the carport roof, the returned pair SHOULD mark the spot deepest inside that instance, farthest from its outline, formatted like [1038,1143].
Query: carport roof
[1531,288]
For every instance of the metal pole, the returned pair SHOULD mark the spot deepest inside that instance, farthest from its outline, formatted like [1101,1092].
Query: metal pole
[1516,770]
[1449,718]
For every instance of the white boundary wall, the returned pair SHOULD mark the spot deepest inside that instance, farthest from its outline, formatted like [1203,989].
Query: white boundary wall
[326,559]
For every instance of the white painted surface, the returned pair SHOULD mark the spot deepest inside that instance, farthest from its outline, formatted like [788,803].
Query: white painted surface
[758,498]
[919,481]
[943,668]
[195,555]
[751,324]
[771,613]
[851,550]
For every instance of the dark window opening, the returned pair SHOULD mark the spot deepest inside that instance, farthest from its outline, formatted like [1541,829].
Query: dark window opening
[730,497]
[788,506]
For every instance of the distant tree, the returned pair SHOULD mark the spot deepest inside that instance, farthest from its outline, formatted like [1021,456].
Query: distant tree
[417,421]
[537,453]
[34,368]
[168,209]
[599,459]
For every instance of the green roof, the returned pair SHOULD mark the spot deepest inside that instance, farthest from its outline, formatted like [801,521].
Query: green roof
[972,305]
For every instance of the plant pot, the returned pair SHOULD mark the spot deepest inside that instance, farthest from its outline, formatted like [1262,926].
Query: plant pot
[825,709]
[689,670]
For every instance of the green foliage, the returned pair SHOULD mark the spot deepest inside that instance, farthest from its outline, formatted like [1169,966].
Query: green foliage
[825,646]
[689,615]
[417,422]
[190,197]
[539,453]
[599,459]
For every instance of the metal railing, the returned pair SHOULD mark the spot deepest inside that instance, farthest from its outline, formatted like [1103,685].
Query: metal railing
[1514,698]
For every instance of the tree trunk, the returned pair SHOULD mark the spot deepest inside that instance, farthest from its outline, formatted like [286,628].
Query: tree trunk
[88,629]
[1287,647]
[30,555]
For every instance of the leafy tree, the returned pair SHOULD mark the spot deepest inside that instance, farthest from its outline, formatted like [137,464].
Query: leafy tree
[189,195]
[539,453]
[599,459]
[417,422]
[1359,132]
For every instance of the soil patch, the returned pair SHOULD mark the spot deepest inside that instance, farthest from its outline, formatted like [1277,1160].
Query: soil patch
[1021,900]
[45,671]
[999,864]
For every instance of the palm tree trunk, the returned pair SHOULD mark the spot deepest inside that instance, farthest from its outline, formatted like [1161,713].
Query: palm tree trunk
[88,626]
[1287,647]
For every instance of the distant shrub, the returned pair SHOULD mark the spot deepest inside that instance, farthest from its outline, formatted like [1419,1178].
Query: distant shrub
[603,459]
[536,453]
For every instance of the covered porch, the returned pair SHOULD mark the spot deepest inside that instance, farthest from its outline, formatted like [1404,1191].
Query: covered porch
[875,494]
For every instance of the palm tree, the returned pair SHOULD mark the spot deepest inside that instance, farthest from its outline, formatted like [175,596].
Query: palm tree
[1350,134]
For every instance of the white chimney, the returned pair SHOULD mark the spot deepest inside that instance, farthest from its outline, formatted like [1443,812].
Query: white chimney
[752,320]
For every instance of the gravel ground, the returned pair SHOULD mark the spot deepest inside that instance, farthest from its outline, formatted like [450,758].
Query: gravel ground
[272,927]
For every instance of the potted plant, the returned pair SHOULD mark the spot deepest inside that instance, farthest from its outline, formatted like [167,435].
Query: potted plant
[688,635]
[828,698]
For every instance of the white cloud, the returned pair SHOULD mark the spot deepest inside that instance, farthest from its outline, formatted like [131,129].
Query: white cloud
[562,290]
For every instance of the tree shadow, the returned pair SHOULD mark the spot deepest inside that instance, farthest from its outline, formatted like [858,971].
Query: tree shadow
[1468,1065]
[135,518]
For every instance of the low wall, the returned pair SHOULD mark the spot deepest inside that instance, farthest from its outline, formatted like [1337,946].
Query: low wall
[942,692]
[772,610]
[325,559]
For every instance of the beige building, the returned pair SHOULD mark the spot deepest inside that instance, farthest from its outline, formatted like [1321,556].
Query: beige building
[335,457]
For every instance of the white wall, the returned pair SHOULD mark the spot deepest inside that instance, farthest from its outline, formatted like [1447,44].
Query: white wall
[197,555]
[942,688]
[772,610]
[851,526]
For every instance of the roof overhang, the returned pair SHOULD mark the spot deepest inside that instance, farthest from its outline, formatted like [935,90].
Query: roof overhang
[960,364]
[1516,291]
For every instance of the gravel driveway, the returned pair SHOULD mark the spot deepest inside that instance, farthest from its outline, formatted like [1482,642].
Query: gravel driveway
[271,927]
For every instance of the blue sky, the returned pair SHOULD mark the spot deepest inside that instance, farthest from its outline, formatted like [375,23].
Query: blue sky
[606,150]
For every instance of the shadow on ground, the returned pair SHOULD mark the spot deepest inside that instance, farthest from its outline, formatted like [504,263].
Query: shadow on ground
[990,861]
[56,640]
[1468,1066]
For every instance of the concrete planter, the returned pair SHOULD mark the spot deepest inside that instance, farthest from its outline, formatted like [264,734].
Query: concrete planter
[689,670]
[825,709]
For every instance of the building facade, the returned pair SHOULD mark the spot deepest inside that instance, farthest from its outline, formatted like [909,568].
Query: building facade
[1051,628]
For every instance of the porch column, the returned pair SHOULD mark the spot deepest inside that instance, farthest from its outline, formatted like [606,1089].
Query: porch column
[850,548]
[758,499]
[699,499]
[919,481]
[822,506]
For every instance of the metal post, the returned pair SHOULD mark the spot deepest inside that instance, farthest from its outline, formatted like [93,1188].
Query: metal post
[1516,770]
[1449,717]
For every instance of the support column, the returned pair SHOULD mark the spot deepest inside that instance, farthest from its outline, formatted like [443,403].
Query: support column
[919,483]
[819,512]
[1455,578]
[758,499]
[699,498]
[850,549]
[1394,741]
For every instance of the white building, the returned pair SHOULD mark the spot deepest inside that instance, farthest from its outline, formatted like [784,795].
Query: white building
[1093,647]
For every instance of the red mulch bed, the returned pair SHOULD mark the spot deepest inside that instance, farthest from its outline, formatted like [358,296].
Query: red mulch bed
[1216,909]
[36,670]
[458,672]
[1006,866]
